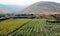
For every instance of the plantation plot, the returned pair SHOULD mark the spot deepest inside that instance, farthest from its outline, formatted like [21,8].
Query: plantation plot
[33,28]
[29,27]
[11,24]
[38,27]
[53,29]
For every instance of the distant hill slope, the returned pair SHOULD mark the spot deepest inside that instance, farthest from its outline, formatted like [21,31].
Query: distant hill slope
[10,8]
[43,7]
[5,11]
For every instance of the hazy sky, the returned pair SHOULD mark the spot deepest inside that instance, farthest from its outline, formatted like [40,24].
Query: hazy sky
[23,2]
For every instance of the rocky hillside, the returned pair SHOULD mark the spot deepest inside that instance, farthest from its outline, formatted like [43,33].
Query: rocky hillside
[43,7]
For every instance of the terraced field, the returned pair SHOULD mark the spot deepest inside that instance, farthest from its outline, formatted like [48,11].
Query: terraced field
[34,27]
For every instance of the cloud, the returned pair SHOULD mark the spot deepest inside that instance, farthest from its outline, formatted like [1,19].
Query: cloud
[23,2]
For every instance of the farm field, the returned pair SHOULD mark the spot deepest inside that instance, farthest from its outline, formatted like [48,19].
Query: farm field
[7,26]
[32,27]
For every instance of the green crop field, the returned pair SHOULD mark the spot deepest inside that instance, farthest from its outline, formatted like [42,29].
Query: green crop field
[29,27]
[11,24]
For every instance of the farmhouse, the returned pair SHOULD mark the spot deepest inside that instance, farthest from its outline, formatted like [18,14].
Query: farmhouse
[54,18]
[17,16]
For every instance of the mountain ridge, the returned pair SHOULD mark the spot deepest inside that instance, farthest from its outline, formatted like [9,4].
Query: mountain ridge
[10,8]
[43,8]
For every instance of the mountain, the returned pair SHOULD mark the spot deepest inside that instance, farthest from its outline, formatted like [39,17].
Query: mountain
[43,7]
[10,8]
[5,11]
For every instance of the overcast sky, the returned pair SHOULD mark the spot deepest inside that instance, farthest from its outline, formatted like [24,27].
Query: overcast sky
[23,2]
